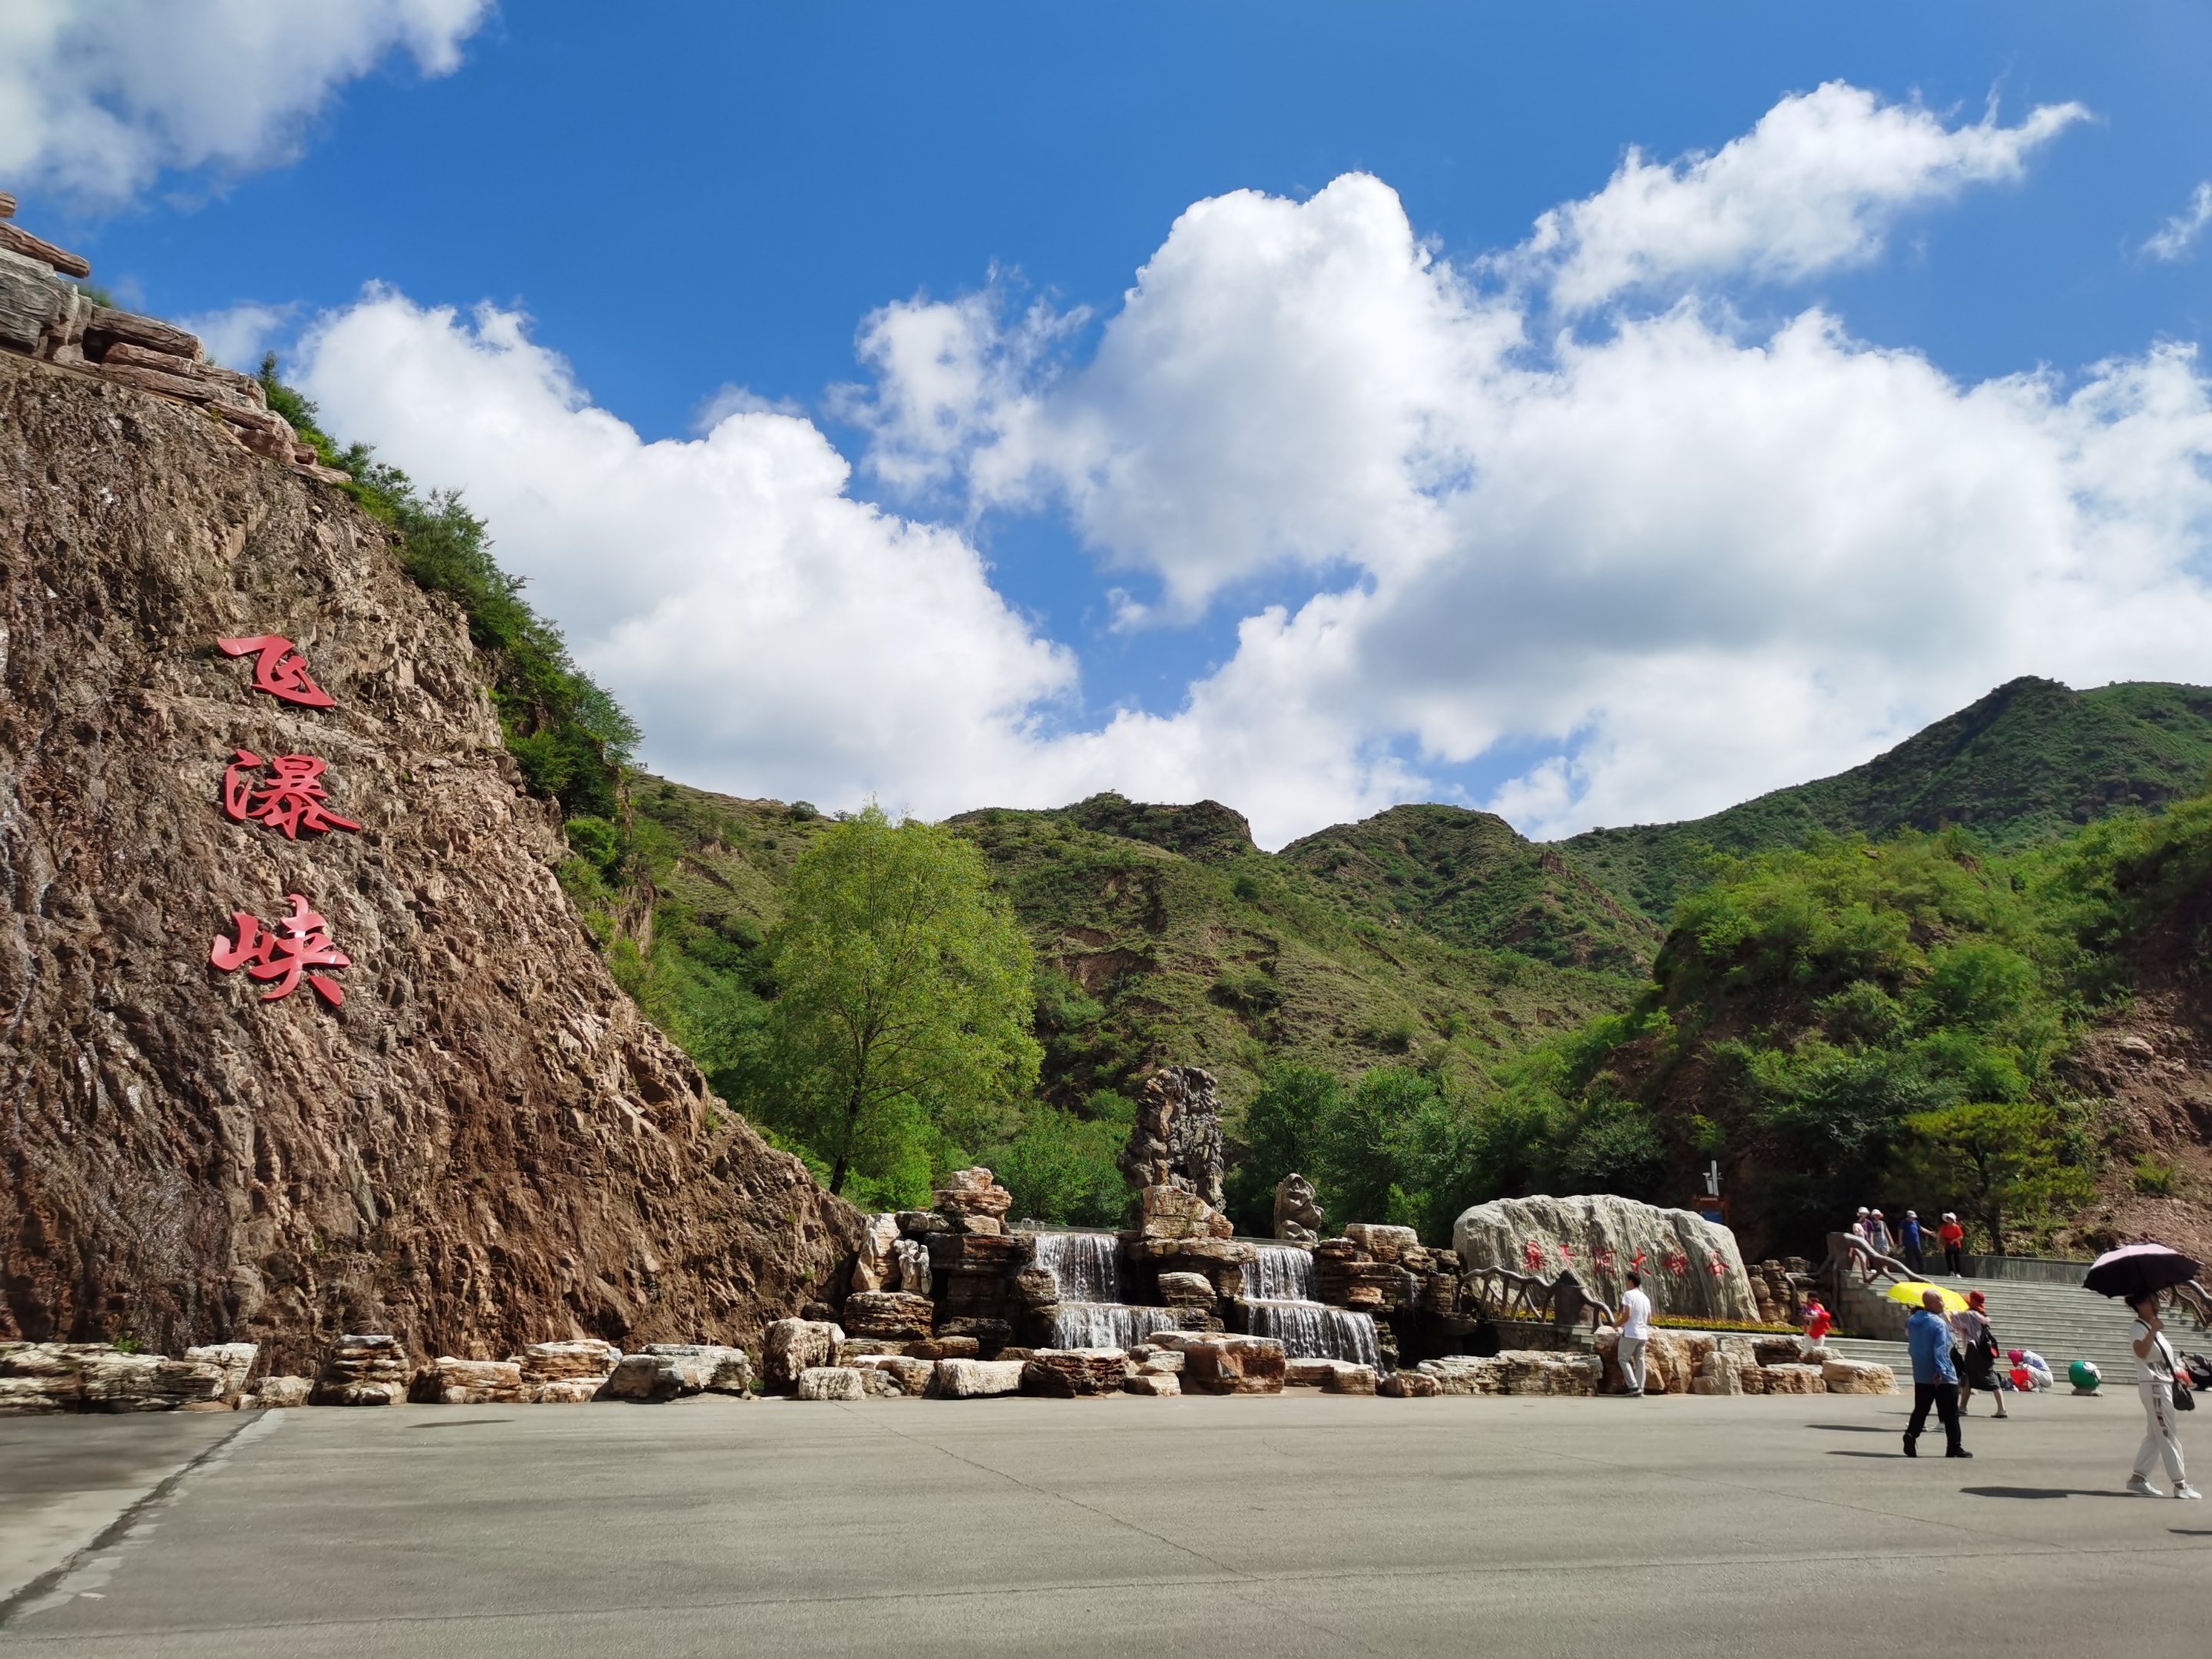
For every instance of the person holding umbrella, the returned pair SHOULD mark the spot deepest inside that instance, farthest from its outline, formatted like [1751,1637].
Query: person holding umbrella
[2136,1273]
[2155,1365]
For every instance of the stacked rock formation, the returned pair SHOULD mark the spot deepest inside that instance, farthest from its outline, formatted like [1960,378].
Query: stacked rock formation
[565,1373]
[41,1378]
[1777,1287]
[363,1371]
[1176,1139]
[43,316]
[1695,1362]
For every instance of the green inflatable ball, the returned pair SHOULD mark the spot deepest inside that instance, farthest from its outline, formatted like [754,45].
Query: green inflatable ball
[2084,1376]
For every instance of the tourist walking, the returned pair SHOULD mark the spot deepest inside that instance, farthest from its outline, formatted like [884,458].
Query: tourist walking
[2154,1364]
[1952,1237]
[1859,1232]
[1978,1349]
[1909,1241]
[1935,1379]
[1634,1318]
[1878,1234]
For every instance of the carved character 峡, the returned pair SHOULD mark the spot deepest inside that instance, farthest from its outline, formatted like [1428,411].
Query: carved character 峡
[301,941]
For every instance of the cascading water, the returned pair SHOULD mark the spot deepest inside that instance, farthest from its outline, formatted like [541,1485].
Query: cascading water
[1087,1267]
[1279,1302]
[1090,1314]
[1105,1324]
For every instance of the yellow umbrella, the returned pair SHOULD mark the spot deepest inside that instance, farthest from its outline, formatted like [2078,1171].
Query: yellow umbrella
[1911,1293]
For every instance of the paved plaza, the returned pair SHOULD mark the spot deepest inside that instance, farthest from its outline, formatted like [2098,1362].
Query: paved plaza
[1303,1524]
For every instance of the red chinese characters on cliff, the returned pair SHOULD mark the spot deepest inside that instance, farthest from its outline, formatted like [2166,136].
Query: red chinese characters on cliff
[292,801]
[300,941]
[279,670]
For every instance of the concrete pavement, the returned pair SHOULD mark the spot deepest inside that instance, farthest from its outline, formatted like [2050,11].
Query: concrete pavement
[1306,1524]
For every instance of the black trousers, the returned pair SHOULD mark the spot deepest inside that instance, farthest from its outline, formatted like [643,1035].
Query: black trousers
[1910,1253]
[1944,1397]
[1952,1265]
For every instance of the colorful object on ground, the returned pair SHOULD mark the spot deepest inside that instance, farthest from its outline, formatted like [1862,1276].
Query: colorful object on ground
[1912,1293]
[2084,1376]
[2135,1270]
[292,802]
[279,670]
[301,941]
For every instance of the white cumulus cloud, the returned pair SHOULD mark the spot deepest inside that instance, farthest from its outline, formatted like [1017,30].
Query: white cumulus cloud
[2180,234]
[97,97]
[1677,559]
[1812,187]
[771,634]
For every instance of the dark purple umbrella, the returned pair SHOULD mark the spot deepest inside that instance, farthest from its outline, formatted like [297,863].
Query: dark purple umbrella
[2135,1270]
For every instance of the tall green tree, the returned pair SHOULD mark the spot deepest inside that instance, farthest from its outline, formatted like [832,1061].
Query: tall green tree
[2001,1161]
[906,1003]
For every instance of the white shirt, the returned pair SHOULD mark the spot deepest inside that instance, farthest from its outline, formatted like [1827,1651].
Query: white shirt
[2158,1368]
[1637,1327]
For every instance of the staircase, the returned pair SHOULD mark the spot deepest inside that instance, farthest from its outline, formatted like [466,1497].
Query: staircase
[2062,1322]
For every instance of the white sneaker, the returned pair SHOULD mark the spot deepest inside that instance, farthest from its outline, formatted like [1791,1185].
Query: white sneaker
[2141,1487]
[2187,1491]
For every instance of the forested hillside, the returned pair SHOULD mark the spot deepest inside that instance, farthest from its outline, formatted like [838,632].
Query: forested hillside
[1425,1009]
[1923,980]
[2030,760]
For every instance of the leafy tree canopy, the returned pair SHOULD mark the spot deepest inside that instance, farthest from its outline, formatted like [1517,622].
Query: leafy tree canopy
[901,1029]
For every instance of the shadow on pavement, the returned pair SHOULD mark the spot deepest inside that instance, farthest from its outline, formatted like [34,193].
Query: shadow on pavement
[1850,1428]
[2041,1491]
[1898,1455]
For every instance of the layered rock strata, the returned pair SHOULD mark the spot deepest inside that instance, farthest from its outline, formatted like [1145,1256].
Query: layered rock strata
[486,1143]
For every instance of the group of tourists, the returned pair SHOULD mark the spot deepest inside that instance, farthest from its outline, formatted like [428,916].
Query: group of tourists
[1909,1244]
[1955,1354]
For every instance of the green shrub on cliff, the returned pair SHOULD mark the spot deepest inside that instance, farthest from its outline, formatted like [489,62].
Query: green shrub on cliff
[568,736]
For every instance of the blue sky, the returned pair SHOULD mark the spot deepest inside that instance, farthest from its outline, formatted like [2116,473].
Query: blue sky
[725,199]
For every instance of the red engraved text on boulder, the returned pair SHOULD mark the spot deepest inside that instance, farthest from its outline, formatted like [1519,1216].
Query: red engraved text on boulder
[292,801]
[279,670]
[301,941]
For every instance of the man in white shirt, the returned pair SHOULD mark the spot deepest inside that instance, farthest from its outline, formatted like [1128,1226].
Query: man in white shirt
[1634,1318]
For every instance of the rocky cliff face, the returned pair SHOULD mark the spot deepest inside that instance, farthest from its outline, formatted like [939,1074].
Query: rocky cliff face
[485,1144]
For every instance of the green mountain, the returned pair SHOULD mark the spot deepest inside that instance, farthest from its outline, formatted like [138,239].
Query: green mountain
[1470,879]
[1181,941]
[1163,935]
[1424,1008]
[2030,760]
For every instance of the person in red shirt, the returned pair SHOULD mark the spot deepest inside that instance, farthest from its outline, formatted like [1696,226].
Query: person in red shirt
[1819,1322]
[1952,1237]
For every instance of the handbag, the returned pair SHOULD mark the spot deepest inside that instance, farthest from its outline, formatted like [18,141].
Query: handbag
[2185,1398]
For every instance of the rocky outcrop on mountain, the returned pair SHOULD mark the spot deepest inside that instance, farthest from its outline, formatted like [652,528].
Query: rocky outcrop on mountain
[458,1131]
[1690,1265]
